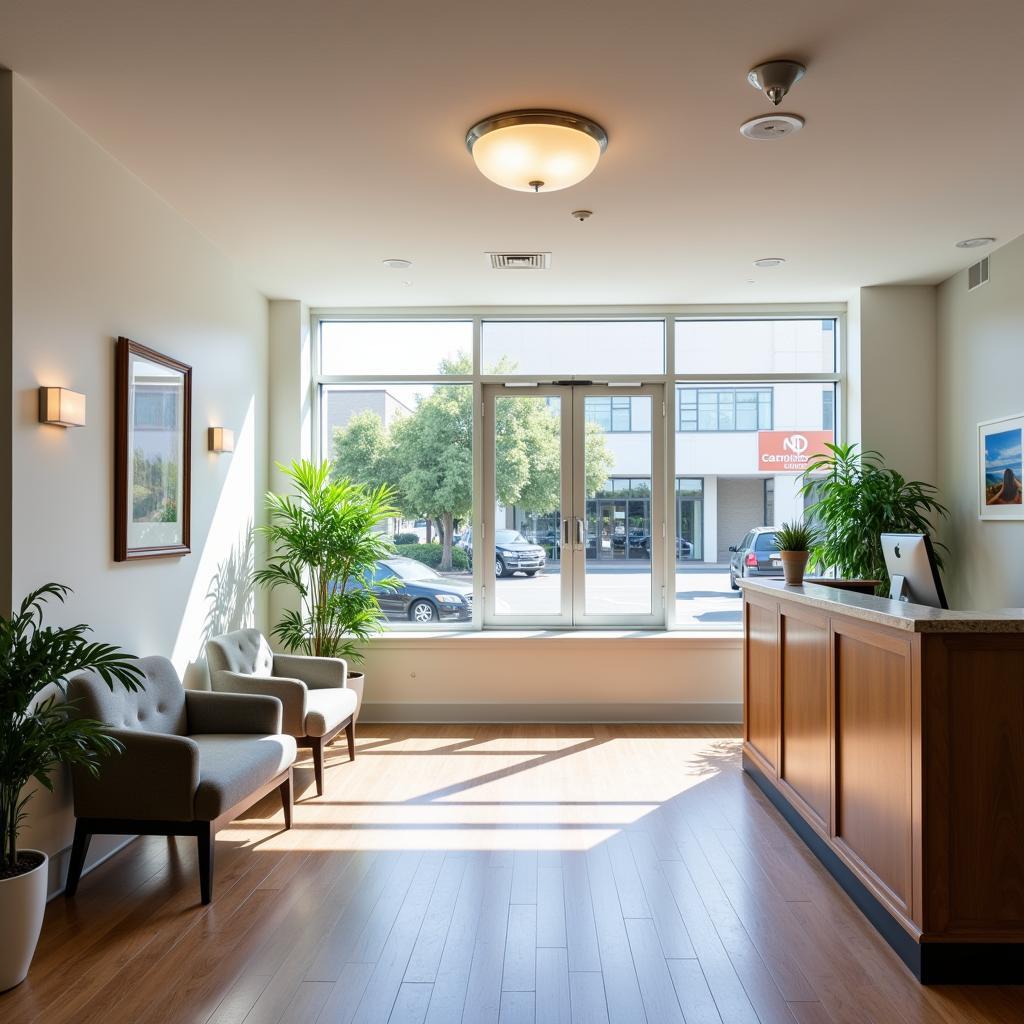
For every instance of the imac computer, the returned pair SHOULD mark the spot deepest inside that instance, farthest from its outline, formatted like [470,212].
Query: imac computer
[914,575]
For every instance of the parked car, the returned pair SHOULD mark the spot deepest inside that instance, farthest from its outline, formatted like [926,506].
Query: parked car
[684,549]
[424,596]
[756,555]
[514,553]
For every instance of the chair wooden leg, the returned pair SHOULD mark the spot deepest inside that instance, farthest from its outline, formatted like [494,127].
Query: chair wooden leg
[317,744]
[205,845]
[79,849]
[350,732]
[285,789]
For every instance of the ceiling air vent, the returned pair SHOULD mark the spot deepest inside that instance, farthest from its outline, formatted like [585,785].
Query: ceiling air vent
[520,260]
[977,274]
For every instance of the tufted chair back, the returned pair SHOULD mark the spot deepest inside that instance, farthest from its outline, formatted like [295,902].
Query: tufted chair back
[244,650]
[158,707]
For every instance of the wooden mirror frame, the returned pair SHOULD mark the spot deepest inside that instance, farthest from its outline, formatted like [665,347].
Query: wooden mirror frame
[126,348]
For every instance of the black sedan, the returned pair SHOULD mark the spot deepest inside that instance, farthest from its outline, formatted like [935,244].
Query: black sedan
[514,553]
[425,596]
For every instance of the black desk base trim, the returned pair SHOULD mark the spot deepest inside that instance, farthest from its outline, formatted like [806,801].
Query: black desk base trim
[932,963]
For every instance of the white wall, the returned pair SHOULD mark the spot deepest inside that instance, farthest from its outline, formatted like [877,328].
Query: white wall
[96,254]
[980,377]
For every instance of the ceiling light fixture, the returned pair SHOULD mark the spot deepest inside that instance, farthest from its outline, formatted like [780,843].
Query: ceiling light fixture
[536,150]
[770,261]
[776,77]
[397,264]
[975,243]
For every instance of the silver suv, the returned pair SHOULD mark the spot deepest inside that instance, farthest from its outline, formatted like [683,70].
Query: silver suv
[756,555]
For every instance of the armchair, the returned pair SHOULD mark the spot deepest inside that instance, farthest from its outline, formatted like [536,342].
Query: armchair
[317,702]
[192,762]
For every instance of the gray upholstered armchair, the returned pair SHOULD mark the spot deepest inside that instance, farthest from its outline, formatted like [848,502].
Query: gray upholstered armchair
[192,761]
[317,702]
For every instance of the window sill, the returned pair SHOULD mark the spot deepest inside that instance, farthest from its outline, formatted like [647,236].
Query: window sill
[728,639]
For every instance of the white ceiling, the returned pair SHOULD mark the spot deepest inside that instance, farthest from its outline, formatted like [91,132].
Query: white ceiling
[312,139]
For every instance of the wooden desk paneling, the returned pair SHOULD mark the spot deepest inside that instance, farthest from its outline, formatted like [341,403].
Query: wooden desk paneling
[806,751]
[761,701]
[898,755]
[873,756]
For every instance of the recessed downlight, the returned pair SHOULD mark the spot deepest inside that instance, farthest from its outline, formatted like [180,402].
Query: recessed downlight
[393,264]
[769,261]
[975,243]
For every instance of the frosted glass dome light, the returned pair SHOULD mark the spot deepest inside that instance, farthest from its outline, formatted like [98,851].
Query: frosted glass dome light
[536,150]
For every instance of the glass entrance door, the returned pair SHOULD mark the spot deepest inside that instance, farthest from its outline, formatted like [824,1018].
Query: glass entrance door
[573,513]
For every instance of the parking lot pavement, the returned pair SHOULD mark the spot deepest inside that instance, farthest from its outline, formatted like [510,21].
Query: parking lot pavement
[702,593]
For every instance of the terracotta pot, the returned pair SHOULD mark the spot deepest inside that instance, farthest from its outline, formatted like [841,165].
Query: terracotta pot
[793,565]
[356,681]
[22,902]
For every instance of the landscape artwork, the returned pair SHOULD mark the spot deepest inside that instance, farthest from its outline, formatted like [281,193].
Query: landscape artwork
[1001,491]
[153,454]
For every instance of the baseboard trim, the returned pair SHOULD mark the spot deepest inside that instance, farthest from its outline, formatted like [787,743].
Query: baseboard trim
[58,865]
[580,713]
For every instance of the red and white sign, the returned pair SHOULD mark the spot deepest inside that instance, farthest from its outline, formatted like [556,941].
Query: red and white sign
[789,451]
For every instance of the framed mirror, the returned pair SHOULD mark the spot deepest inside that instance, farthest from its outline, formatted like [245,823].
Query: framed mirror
[152,454]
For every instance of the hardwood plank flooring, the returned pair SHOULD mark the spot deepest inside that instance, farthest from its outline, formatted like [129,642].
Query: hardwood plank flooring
[489,875]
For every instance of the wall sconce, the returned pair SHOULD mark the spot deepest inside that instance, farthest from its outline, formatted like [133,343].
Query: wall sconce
[221,439]
[61,407]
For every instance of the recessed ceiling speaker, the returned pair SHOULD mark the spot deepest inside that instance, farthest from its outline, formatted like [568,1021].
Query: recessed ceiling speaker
[775,78]
[771,126]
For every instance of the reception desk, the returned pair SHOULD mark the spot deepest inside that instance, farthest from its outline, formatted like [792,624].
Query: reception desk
[891,737]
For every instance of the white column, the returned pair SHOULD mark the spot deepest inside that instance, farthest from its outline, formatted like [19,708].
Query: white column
[711,519]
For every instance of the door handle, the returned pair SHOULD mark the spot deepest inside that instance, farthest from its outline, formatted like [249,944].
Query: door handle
[565,533]
[580,539]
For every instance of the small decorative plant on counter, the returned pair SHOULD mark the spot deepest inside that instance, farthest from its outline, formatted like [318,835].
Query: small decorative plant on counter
[36,735]
[795,541]
[855,499]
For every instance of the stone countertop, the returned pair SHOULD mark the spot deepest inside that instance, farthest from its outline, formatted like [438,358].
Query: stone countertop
[913,618]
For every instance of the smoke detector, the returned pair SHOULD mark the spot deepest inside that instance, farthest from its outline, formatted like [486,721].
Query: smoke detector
[769,261]
[775,78]
[582,214]
[393,264]
[771,126]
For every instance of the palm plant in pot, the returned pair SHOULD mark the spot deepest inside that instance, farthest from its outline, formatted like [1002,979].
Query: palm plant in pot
[36,735]
[855,499]
[795,541]
[325,540]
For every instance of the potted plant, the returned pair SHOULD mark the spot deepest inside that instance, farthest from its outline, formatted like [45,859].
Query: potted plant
[795,541]
[325,540]
[37,734]
[855,499]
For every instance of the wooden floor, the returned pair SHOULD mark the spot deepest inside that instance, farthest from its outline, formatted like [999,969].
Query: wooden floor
[489,874]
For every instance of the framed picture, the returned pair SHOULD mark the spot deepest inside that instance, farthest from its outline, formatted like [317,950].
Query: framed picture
[1000,469]
[152,454]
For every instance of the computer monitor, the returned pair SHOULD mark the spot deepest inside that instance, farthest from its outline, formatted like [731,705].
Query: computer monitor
[914,574]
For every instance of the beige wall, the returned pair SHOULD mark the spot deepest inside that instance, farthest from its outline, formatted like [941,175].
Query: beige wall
[6,94]
[893,377]
[96,255]
[980,377]
[569,677]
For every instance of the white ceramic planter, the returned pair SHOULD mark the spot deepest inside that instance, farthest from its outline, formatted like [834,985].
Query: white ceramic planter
[356,681]
[22,902]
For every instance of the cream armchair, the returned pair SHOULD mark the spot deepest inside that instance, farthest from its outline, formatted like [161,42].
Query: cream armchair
[317,702]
